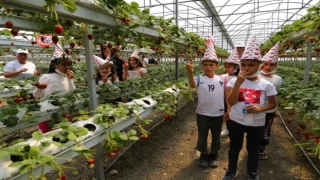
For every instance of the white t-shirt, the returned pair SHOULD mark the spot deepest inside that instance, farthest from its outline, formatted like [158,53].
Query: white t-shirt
[14,66]
[210,95]
[254,92]
[227,78]
[145,62]
[133,74]
[277,82]
[55,82]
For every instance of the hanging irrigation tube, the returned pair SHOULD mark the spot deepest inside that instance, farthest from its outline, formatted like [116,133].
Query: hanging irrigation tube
[304,152]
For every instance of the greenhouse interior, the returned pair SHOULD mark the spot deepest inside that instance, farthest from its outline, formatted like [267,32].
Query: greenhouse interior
[129,89]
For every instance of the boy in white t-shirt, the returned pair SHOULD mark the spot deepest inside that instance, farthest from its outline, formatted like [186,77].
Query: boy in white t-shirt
[21,67]
[247,96]
[231,66]
[210,109]
[270,62]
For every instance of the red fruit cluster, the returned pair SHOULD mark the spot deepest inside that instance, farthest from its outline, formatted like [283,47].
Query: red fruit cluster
[55,39]
[90,36]
[9,24]
[124,20]
[143,137]
[91,161]
[58,29]
[40,85]
[72,45]
[18,99]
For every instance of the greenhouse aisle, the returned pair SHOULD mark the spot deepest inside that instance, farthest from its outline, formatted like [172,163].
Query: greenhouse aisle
[170,153]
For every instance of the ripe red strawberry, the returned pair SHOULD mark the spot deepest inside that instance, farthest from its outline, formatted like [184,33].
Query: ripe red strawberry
[305,37]
[72,45]
[128,19]
[298,132]
[161,38]
[9,24]
[118,43]
[318,141]
[79,43]
[44,85]
[74,62]
[167,117]
[42,38]
[91,161]
[55,39]
[65,115]
[124,20]
[63,177]
[116,150]
[67,51]
[36,84]
[288,121]
[12,44]
[311,39]
[90,36]
[14,32]
[111,154]
[302,126]
[58,29]
[78,59]
[8,10]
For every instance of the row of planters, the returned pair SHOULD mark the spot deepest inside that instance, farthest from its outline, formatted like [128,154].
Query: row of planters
[309,28]
[34,155]
[300,106]
[128,16]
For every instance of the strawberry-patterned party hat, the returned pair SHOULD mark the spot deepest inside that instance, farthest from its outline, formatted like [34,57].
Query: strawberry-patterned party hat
[252,50]
[99,61]
[210,53]
[135,54]
[272,55]
[233,58]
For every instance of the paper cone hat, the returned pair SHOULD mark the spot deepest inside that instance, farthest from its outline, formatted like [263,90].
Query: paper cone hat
[252,50]
[57,53]
[135,54]
[210,53]
[233,58]
[99,61]
[272,55]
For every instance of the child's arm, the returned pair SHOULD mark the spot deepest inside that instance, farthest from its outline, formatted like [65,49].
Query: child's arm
[234,92]
[192,82]
[125,71]
[270,105]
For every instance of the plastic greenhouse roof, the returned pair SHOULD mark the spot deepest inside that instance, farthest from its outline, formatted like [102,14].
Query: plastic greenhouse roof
[234,21]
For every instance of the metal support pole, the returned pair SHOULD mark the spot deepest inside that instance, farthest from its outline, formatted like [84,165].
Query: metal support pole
[176,9]
[308,64]
[93,103]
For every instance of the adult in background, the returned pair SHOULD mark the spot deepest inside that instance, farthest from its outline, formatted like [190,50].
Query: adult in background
[240,49]
[145,61]
[117,61]
[21,67]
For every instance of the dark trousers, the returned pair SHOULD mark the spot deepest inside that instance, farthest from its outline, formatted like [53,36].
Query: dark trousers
[205,123]
[267,130]
[254,137]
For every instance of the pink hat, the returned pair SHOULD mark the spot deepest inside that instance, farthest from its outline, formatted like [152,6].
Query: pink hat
[99,61]
[233,58]
[135,54]
[210,53]
[272,55]
[252,50]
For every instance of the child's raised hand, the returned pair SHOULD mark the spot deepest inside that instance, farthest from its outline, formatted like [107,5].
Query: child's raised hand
[125,65]
[189,67]
[69,74]
[241,77]
[104,78]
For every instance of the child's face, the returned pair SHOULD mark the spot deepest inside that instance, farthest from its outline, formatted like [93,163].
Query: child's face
[229,68]
[64,66]
[132,62]
[250,66]
[209,67]
[105,70]
[269,66]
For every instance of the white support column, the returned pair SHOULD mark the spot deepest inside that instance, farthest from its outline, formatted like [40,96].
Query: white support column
[308,63]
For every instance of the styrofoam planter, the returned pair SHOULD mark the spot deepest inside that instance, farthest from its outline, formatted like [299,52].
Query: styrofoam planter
[117,120]
[6,171]
[148,99]
[46,106]
[21,113]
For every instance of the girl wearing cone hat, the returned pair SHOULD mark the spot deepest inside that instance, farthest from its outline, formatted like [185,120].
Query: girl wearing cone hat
[247,96]
[210,108]
[135,68]
[270,62]
[107,72]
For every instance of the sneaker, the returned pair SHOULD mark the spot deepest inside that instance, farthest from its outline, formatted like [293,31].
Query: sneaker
[230,175]
[213,160]
[263,155]
[253,176]
[203,160]
[224,133]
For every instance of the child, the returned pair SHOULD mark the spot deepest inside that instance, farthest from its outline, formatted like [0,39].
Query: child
[247,96]
[107,72]
[210,109]
[270,61]
[231,66]
[58,79]
[134,69]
